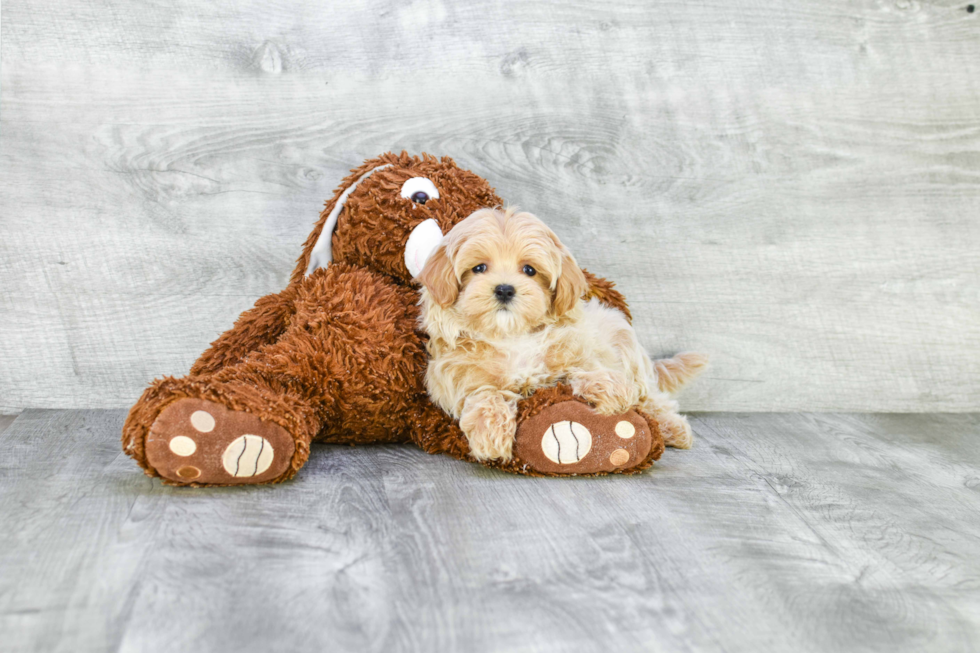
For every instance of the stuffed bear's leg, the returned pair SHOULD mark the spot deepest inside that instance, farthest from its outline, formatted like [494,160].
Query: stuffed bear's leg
[240,416]
[252,422]
[558,434]
[344,370]
[257,327]
[260,325]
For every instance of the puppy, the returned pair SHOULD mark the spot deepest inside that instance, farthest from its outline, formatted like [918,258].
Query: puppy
[502,304]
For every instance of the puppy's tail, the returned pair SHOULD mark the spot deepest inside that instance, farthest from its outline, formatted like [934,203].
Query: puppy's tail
[672,373]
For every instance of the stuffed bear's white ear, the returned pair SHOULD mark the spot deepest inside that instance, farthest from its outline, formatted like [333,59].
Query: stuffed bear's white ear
[423,240]
[322,253]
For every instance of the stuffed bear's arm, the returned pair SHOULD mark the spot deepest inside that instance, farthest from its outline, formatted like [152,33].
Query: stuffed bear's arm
[605,291]
[261,325]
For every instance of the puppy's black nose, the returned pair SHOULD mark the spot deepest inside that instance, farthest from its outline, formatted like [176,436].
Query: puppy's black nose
[504,293]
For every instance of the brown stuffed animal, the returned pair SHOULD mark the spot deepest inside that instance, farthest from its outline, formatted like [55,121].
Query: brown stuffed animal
[338,356]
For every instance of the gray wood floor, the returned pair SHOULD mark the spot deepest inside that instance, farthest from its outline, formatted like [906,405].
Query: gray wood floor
[812,532]
[5,421]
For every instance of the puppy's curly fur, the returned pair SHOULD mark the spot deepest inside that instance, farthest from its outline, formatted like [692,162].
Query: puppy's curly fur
[502,304]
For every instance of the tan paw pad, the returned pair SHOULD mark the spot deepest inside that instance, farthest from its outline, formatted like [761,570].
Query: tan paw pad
[625,430]
[249,455]
[188,472]
[183,445]
[566,442]
[619,457]
[202,420]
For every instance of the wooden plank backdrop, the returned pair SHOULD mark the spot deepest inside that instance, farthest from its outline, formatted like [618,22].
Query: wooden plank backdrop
[792,187]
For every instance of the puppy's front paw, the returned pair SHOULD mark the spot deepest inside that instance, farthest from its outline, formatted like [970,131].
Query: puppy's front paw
[490,425]
[609,392]
[676,430]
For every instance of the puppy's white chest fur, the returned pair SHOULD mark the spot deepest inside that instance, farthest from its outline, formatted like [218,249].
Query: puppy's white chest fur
[522,360]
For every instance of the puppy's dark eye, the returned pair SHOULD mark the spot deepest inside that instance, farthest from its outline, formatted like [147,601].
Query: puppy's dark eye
[480,269]
[529,271]
[420,197]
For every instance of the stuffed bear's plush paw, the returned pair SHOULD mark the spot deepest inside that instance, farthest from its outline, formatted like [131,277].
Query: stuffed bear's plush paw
[199,442]
[572,438]
[609,392]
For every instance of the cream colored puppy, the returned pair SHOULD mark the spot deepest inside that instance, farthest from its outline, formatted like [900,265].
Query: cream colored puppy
[502,304]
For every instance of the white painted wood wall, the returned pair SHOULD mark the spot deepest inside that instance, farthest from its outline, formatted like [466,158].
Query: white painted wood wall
[793,187]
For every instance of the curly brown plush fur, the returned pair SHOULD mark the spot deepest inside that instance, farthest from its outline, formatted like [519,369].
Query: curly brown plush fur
[337,356]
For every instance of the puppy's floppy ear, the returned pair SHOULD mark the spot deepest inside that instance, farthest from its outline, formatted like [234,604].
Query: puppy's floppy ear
[571,284]
[439,278]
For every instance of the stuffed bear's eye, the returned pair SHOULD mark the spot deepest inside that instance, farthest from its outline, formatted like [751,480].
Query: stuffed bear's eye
[420,190]
[481,268]
[529,271]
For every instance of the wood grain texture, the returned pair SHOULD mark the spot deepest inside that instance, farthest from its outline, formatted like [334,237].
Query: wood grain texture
[6,421]
[791,187]
[776,532]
